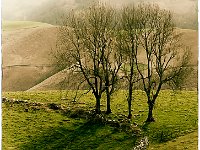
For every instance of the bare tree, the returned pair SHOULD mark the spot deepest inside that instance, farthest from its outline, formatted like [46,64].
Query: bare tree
[86,43]
[111,62]
[128,43]
[166,59]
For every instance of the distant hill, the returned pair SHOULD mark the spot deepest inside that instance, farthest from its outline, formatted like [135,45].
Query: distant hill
[26,48]
[27,59]
[189,38]
[17,25]
[51,11]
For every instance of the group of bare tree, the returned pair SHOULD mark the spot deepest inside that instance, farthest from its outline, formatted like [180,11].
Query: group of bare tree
[103,45]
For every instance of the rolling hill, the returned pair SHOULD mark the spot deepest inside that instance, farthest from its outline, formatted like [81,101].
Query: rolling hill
[26,48]
[27,60]
[189,38]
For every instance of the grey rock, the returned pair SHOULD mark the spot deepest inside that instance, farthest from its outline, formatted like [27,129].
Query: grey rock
[143,144]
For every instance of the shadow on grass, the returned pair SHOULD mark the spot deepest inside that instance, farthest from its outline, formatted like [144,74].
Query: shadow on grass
[84,136]
[160,134]
[145,126]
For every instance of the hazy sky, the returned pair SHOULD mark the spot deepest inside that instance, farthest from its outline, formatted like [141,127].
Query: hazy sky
[13,9]
[18,8]
[178,6]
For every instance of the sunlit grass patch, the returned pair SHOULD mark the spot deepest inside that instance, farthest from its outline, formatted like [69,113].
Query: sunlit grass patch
[175,114]
[47,129]
[189,141]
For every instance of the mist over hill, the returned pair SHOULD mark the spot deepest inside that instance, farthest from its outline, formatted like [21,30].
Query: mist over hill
[50,11]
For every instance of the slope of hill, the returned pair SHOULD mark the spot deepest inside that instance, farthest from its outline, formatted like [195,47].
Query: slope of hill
[190,39]
[26,48]
[17,25]
[51,83]
[27,59]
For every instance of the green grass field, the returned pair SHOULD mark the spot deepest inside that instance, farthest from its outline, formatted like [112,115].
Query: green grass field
[16,25]
[189,141]
[176,125]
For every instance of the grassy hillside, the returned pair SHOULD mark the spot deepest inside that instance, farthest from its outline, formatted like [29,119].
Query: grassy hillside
[19,78]
[27,48]
[190,39]
[189,141]
[28,45]
[175,114]
[61,80]
[16,25]
[47,129]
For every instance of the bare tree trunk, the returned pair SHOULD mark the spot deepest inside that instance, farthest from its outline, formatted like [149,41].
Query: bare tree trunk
[130,100]
[108,95]
[150,113]
[108,111]
[98,110]
[130,97]
[129,110]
